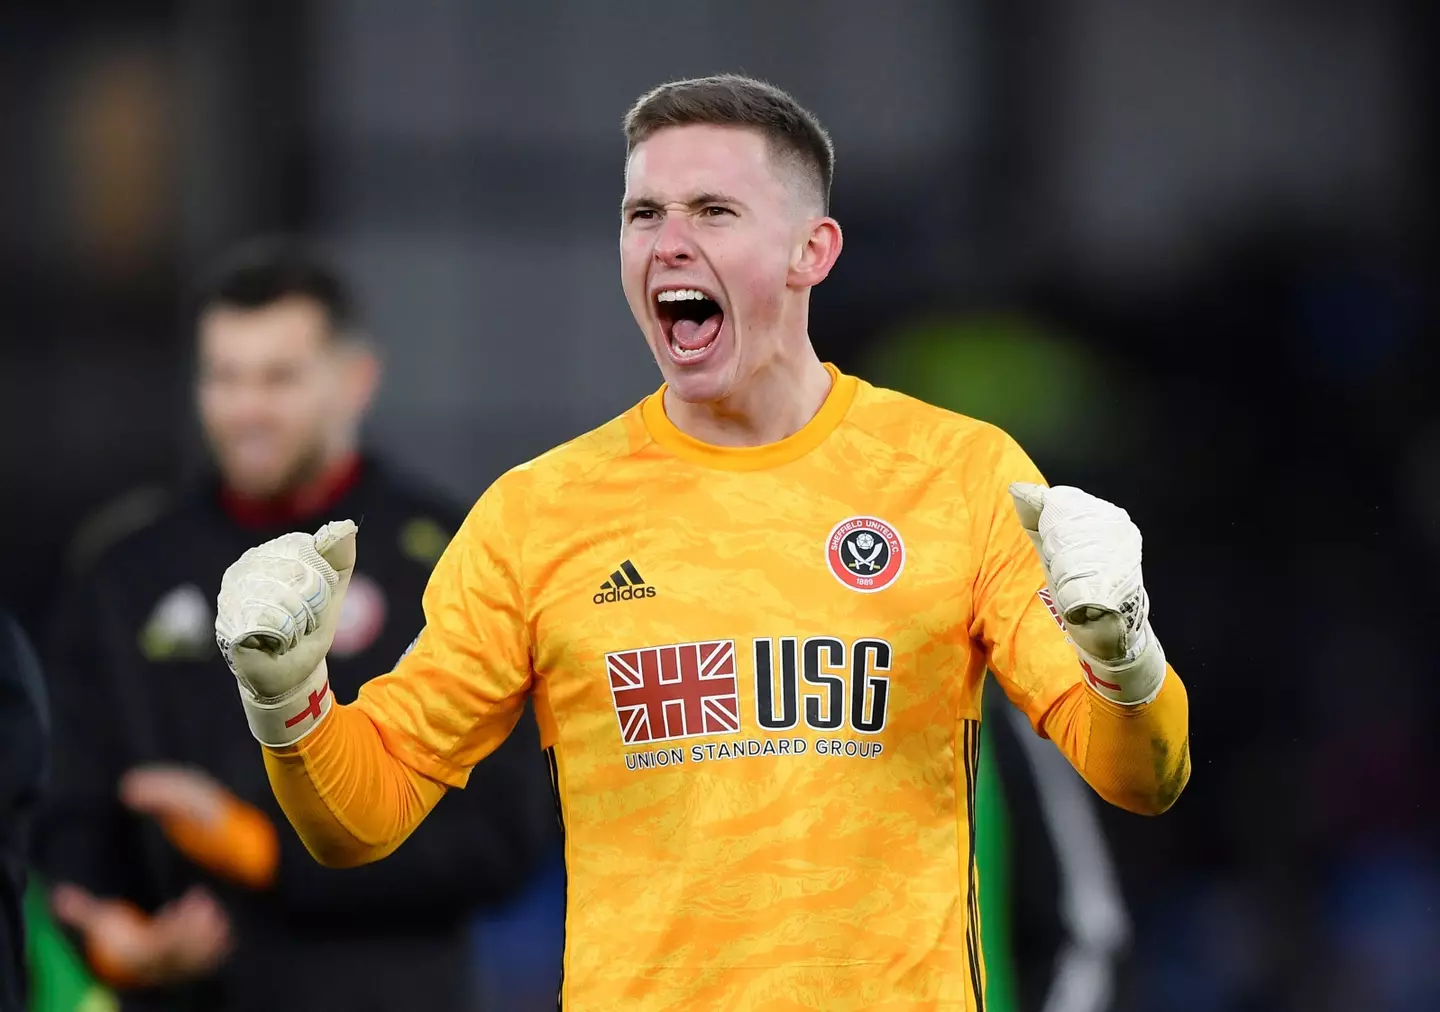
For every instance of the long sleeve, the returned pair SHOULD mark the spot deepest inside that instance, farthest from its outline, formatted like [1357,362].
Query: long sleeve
[475,846]
[359,785]
[1136,757]
[350,800]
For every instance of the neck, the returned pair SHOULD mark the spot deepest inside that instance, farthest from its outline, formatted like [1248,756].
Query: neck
[304,500]
[774,403]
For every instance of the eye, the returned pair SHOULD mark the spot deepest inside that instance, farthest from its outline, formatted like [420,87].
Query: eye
[715,211]
[643,214]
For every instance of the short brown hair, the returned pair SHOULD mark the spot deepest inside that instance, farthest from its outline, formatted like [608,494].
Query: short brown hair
[267,270]
[792,131]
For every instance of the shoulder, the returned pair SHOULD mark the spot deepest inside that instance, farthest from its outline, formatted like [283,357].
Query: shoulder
[576,461]
[113,525]
[550,493]
[132,527]
[936,436]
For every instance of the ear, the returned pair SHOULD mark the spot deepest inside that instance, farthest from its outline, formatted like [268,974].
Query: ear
[816,254]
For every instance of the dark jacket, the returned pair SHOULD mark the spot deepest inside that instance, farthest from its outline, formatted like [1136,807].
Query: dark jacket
[137,678]
[23,733]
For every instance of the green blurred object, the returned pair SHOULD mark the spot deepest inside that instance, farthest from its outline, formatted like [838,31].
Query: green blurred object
[59,979]
[1046,390]
[992,856]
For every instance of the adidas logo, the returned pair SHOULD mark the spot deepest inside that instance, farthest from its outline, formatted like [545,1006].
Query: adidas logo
[625,584]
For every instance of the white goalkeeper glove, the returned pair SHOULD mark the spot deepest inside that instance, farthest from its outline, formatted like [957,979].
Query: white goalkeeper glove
[1091,553]
[275,619]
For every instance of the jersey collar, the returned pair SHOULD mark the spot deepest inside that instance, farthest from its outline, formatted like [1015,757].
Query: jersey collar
[752,458]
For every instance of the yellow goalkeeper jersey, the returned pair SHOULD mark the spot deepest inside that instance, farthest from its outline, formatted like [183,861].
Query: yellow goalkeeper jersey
[757,673]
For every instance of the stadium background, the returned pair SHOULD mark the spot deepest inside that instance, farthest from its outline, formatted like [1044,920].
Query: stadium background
[1179,249]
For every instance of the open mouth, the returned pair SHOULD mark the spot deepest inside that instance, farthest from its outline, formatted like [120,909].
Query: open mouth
[690,319]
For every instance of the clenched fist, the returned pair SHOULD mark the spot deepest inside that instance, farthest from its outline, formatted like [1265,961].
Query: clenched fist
[276,617]
[1091,553]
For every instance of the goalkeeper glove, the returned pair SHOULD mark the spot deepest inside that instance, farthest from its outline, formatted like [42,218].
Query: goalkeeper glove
[1091,553]
[275,619]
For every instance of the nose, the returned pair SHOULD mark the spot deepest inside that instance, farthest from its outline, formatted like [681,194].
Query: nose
[673,247]
[248,404]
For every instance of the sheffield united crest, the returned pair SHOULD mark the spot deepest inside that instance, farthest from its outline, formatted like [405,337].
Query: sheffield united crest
[865,554]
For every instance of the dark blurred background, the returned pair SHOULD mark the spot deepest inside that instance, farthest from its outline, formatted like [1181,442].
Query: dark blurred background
[1182,250]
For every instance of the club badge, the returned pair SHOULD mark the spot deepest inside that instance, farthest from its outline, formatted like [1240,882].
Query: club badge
[865,554]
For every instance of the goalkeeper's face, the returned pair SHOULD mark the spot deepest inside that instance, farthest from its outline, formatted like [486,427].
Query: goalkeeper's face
[717,256]
[279,396]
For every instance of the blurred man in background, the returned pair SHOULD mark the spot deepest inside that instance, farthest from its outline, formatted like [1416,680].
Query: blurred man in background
[1053,920]
[23,744]
[162,839]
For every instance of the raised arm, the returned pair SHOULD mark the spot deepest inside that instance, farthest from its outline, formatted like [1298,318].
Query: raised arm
[1073,647]
[349,798]
[355,780]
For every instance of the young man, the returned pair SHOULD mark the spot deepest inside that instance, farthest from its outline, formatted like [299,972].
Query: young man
[754,613]
[161,840]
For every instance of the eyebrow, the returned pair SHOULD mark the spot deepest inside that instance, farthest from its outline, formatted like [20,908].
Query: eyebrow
[697,201]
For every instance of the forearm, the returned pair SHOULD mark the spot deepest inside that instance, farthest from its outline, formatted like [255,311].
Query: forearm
[476,847]
[350,800]
[480,844]
[1135,757]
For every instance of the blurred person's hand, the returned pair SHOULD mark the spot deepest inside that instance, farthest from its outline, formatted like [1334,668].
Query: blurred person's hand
[174,792]
[182,941]
[205,821]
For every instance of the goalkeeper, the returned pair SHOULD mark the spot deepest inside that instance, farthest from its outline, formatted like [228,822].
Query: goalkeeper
[754,613]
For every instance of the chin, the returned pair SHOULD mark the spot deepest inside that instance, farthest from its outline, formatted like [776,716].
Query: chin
[705,383]
[704,380]
[256,482]
[701,386]
[255,488]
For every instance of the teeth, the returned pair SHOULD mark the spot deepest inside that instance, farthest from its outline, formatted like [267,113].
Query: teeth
[681,295]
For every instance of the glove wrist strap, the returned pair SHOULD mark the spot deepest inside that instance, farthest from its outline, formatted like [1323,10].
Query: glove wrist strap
[288,718]
[1130,681]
